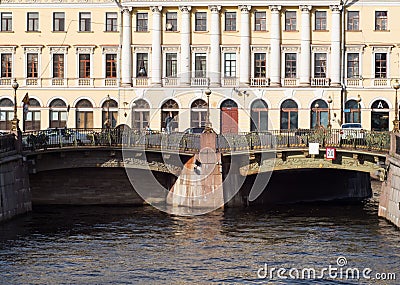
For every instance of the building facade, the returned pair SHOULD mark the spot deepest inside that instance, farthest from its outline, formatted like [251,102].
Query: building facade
[269,64]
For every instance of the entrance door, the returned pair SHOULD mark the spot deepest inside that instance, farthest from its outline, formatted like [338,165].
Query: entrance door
[229,117]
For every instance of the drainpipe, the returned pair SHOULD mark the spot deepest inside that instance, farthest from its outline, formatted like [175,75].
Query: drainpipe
[343,94]
[120,103]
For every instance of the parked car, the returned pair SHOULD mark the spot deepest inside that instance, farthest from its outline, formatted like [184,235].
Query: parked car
[194,130]
[351,132]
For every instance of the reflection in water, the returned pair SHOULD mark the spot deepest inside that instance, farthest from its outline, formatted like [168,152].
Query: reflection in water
[110,245]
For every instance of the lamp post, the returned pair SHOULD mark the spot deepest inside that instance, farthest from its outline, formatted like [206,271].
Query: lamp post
[15,121]
[108,122]
[316,106]
[208,127]
[396,86]
[359,108]
[329,112]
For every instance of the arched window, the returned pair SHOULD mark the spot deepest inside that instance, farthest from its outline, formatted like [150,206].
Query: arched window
[32,117]
[84,114]
[319,114]
[58,114]
[198,113]
[259,116]
[289,115]
[6,114]
[380,116]
[170,108]
[229,117]
[110,113]
[352,112]
[140,114]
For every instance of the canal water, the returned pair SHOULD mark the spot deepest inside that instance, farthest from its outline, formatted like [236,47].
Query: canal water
[125,245]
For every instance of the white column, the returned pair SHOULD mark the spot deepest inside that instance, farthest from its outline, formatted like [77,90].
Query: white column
[335,45]
[245,62]
[185,46]
[275,66]
[156,61]
[215,52]
[305,56]
[126,53]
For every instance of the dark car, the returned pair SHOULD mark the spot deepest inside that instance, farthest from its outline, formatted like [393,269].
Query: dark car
[195,130]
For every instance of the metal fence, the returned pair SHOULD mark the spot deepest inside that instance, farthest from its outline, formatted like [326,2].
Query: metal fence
[7,143]
[274,139]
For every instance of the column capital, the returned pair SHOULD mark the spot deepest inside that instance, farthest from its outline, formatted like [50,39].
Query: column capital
[126,9]
[245,8]
[336,8]
[156,9]
[305,8]
[185,9]
[275,8]
[214,8]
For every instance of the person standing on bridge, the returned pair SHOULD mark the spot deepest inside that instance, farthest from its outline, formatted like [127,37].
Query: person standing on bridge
[168,123]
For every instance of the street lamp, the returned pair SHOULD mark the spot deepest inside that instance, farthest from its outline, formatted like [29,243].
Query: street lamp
[359,108]
[316,106]
[208,127]
[14,121]
[329,112]
[396,86]
[108,122]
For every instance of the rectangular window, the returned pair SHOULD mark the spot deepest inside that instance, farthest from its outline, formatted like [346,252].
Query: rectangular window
[84,66]
[6,65]
[142,60]
[58,65]
[260,65]
[320,20]
[353,21]
[290,21]
[172,21]
[380,20]
[84,22]
[171,65]
[260,21]
[380,65]
[33,22]
[111,65]
[111,22]
[6,21]
[353,65]
[58,21]
[290,65]
[230,64]
[142,20]
[201,21]
[200,65]
[320,65]
[230,21]
[32,65]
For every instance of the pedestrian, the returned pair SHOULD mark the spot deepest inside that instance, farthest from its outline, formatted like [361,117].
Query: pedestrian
[168,123]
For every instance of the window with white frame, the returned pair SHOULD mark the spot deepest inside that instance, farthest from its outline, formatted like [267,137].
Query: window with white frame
[32,65]
[58,65]
[320,20]
[353,20]
[260,21]
[320,60]
[84,22]
[200,65]
[260,65]
[6,65]
[230,64]
[290,65]
[230,21]
[32,22]
[111,21]
[171,21]
[111,65]
[380,65]
[142,64]
[58,21]
[381,20]
[290,21]
[6,21]
[142,20]
[201,21]
[171,65]
[353,65]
